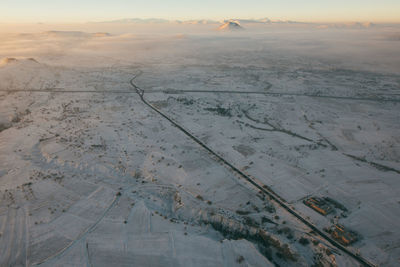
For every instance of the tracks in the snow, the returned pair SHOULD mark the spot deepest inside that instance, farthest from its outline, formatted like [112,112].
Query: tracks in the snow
[13,250]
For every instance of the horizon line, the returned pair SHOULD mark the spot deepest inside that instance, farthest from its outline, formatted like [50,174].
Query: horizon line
[177,20]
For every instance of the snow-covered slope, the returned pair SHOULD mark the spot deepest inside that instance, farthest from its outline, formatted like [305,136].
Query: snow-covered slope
[230,26]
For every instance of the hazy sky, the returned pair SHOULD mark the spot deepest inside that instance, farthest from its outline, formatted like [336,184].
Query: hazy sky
[98,10]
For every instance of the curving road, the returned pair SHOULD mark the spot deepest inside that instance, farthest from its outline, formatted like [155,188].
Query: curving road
[378,98]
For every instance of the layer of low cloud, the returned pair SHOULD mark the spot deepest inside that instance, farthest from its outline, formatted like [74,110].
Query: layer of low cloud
[356,46]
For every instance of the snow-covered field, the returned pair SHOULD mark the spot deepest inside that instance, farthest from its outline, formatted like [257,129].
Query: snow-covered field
[90,175]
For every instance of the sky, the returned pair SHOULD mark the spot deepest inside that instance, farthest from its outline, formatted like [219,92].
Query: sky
[34,11]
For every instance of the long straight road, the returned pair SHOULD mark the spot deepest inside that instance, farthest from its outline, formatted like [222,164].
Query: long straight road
[263,188]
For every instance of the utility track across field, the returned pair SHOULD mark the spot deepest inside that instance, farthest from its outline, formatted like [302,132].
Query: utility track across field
[60,91]
[252,181]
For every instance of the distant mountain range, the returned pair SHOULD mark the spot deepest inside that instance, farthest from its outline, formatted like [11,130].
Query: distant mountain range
[200,21]
[356,25]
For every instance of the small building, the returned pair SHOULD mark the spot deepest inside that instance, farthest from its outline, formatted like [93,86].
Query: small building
[319,205]
[342,235]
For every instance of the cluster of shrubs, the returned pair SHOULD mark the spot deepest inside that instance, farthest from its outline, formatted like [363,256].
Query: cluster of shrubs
[225,112]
